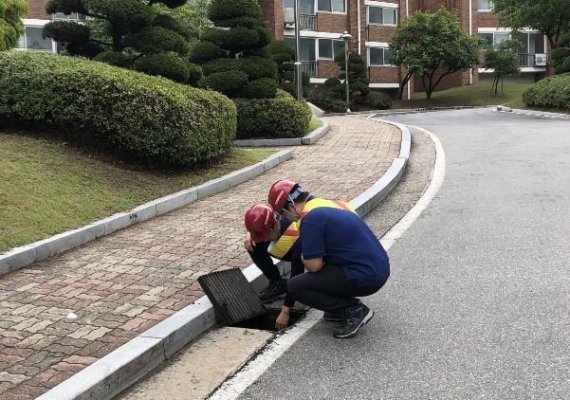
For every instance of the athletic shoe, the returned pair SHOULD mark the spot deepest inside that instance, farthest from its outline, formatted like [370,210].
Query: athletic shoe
[354,318]
[275,290]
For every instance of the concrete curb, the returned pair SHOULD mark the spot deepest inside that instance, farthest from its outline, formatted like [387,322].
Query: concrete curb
[310,138]
[543,114]
[115,372]
[374,113]
[23,256]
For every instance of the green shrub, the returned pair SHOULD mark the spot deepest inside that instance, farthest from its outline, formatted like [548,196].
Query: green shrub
[141,117]
[332,82]
[164,64]
[551,92]
[263,88]
[194,74]
[205,51]
[233,39]
[378,101]
[156,39]
[329,99]
[258,67]
[281,117]
[228,82]
[116,58]
[227,9]
[220,65]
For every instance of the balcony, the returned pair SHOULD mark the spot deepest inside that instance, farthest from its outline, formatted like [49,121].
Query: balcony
[532,60]
[307,22]
[310,68]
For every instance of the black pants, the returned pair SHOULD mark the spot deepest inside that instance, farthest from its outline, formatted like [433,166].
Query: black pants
[328,290]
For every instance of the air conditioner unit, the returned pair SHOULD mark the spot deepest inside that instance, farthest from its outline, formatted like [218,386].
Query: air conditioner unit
[289,18]
[540,60]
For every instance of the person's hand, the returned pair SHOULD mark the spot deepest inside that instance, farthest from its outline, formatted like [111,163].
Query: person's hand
[248,243]
[282,319]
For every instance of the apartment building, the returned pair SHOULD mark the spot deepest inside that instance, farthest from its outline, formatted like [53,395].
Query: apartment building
[372,24]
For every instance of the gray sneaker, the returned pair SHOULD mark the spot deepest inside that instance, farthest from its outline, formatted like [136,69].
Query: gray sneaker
[354,318]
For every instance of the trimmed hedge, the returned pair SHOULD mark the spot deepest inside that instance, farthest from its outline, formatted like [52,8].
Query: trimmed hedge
[141,117]
[551,92]
[264,88]
[281,117]
[227,82]
[164,64]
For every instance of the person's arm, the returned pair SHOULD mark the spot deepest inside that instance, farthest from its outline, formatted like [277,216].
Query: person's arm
[313,264]
[283,318]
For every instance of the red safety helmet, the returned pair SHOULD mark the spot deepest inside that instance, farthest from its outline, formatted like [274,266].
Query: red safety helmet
[259,220]
[280,192]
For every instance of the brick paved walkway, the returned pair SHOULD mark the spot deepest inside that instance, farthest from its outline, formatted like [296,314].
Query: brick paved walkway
[121,285]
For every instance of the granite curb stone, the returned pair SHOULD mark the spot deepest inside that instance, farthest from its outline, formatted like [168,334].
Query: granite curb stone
[308,139]
[544,114]
[23,256]
[113,373]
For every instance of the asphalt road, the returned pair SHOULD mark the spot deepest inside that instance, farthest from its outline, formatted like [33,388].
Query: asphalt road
[477,306]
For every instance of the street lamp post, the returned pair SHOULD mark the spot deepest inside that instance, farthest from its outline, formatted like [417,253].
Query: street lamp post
[346,37]
[298,71]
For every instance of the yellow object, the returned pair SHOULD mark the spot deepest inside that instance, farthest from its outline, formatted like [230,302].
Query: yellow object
[285,242]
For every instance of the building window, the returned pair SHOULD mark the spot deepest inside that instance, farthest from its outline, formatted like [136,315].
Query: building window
[485,5]
[379,56]
[329,48]
[492,39]
[332,5]
[32,40]
[382,16]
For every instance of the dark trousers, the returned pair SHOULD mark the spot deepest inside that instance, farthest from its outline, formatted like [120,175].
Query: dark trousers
[328,290]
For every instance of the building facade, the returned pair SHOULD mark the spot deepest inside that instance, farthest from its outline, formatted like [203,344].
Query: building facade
[372,24]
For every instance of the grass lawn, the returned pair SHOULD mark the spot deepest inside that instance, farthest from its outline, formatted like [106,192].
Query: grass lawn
[314,124]
[47,187]
[469,95]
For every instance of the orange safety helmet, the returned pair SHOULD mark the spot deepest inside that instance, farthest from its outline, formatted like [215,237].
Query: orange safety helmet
[281,192]
[259,220]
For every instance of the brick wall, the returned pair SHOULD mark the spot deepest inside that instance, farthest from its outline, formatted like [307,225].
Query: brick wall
[383,74]
[487,20]
[329,22]
[37,9]
[328,69]
[273,15]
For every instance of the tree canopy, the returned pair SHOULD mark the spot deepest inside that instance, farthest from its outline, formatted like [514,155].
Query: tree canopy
[550,17]
[11,26]
[432,45]
[504,60]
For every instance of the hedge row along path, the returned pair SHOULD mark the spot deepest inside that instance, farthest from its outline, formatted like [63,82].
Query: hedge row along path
[123,284]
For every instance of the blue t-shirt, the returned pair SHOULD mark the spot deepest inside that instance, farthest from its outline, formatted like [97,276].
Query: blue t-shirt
[341,237]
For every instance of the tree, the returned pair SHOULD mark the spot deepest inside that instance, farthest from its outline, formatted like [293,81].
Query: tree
[550,17]
[11,26]
[126,33]
[504,60]
[233,52]
[561,54]
[432,46]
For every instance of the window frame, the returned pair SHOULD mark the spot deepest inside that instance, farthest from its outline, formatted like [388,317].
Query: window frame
[490,9]
[320,56]
[384,49]
[382,10]
[331,11]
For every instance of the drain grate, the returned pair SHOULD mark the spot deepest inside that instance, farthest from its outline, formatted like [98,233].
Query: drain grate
[232,296]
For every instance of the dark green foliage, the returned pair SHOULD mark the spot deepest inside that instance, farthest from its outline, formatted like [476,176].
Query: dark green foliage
[205,51]
[67,31]
[504,60]
[359,88]
[11,25]
[241,22]
[140,117]
[263,88]
[168,22]
[170,3]
[332,82]
[561,55]
[328,98]
[164,64]
[221,65]
[155,39]
[234,40]
[378,101]
[117,59]
[194,74]
[228,9]
[258,67]
[66,6]
[282,117]
[228,82]
[551,92]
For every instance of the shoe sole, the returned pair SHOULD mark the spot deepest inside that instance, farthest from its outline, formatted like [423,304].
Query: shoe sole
[364,321]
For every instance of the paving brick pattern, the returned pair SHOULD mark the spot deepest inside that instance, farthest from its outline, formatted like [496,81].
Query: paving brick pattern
[123,284]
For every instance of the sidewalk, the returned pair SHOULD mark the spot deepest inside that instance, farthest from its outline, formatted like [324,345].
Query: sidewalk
[123,284]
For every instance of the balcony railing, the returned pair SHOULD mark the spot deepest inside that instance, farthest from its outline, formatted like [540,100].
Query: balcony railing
[310,68]
[530,60]
[308,22]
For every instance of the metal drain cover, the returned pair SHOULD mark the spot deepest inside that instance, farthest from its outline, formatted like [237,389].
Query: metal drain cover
[232,296]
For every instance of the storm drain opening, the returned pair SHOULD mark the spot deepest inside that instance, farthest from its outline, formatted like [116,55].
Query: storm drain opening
[266,322]
[237,304]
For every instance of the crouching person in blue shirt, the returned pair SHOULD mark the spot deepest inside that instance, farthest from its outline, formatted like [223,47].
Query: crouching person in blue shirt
[344,260]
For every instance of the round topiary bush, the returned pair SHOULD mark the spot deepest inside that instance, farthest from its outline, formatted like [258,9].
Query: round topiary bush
[378,101]
[228,9]
[141,117]
[164,64]
[221,65]
[205,51]
[264,88]
[281,117]
[551,92]
[194,74]
[228,82]
[156,39]
[116,58]
[258,67]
